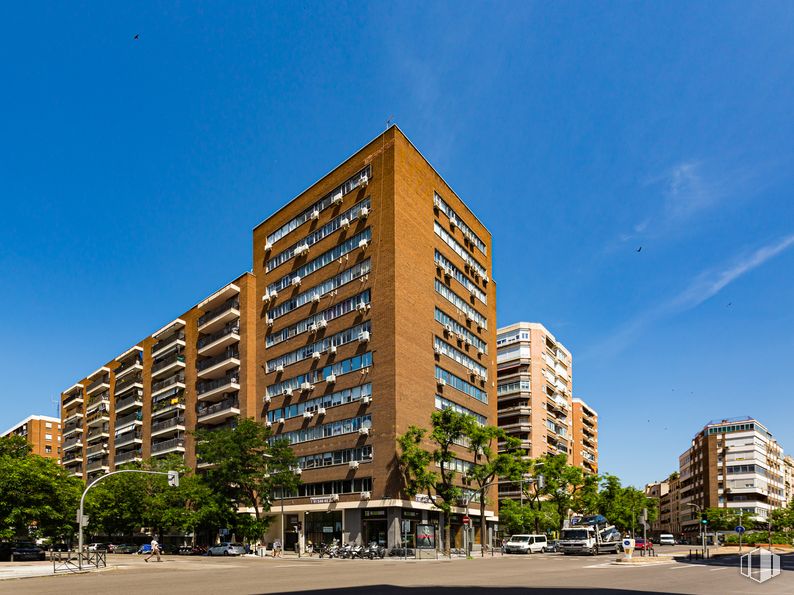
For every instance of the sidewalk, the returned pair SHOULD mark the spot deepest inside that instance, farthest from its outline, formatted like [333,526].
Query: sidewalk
[30,569]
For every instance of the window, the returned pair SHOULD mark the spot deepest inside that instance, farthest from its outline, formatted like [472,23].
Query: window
[338,368]
[334,224]
[442,403]
[329,430]
[362,454]
[444,262]
[461,385]
[347,336]
[459,250]
[48,436]
[322,204]
[453,216]
[331,284]
[460,357]
[335,311]
[342,397]
[47,424]
[48,449]
[460,304]
[324,259]
[458,328]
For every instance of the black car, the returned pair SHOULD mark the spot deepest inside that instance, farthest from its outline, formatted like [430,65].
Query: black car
[23,550]
[125,548]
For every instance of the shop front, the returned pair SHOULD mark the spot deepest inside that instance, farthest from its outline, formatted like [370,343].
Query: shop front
[375,526]
[323,527]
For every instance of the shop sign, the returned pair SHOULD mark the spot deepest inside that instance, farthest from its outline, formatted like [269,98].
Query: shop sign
[423,499]
[374,513]
[322,500]
[411,514]
[328,529]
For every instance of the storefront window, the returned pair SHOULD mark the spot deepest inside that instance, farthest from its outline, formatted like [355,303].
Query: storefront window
[323,527]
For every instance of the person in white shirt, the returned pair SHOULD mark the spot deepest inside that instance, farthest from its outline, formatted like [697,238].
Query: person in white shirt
[155,550]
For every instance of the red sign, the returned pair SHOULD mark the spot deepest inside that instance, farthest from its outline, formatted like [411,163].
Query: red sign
[466,520]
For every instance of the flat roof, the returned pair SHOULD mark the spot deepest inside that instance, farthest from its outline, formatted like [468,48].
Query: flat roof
[31,418]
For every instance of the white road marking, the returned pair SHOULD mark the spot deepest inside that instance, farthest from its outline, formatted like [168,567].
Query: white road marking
[683,566]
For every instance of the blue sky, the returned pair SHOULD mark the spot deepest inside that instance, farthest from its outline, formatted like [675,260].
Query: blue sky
[132,173]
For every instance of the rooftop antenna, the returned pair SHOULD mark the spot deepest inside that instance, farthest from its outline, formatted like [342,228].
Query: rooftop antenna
[390,121]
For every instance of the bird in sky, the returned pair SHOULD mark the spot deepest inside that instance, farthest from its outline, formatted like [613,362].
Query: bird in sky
[137,36]
[639,249]
[730,304]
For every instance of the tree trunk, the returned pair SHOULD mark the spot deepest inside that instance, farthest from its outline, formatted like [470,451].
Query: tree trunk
[482,524]
[447,535]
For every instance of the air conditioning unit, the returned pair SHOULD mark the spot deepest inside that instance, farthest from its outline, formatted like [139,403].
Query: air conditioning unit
[308,415]
[332,350]
[330,379]
[468,317]
[344,223]
[364,212]
[485,279]
[312,328]
[268,246]
[366,495]
[436,349]
[322,323]
[281,420]
[447,329]
[315,215]
[363,244]
[353,464]
[467,340]
[363,431]
[337,198]
[266,298]
[301,249]
[452,224]
[447,272]
[334,497]
[363,337]
[481,351]
[307,386]
[268,423]
[296,281]
[270,322]
[366,400]
[436,203]
[321,411]
[365,371]
[268,398]
[441,382]
[286,392]
[280,368]
[362,308]
[316,355]
[364,181]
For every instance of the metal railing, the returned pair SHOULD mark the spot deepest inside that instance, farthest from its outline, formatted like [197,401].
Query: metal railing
[226,330]
[127,437]
[232,303]
[135,416]
[166,403]
[164,342]
[161,384]
[128,381]
[167,444]
[70,441]
[169,423]
[98,431]
[127,456]
[99,381]
[95,465]
[217,407]
[208,385]
[72,398]
[230,353]
[122,403]
[164,363]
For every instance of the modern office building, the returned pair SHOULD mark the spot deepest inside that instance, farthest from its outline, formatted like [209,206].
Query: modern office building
[534,392]
[42,432]
[370,305]
[378,307]
[194,372]
[584,436]
[731,463]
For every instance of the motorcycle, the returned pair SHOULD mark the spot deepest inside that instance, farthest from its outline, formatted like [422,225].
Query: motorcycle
[375,550]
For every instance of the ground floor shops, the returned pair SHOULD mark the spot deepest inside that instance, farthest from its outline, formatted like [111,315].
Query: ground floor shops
[390,523]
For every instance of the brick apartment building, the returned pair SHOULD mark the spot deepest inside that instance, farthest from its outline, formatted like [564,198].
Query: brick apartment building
[584,436]
[42,432]
[370,305]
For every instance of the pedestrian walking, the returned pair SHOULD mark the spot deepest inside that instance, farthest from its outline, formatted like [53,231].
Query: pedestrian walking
[277,548]
[155,550]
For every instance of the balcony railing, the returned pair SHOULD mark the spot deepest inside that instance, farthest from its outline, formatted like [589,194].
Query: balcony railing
[96,416]
[168,445]
[97,465]
[125,457]
[128,419]
[229,329]
[232,403]
[124,403]
[95,449]
[166,341]
[103,396]
[168,403]
[127,438]
[128,381]
[232,303]
[164,363]
[74,398]
[93,432]
[129,363]
[168,423]
[97,383]
[206,386]
[72,425]
[171,380]
[230,353]
[71,456]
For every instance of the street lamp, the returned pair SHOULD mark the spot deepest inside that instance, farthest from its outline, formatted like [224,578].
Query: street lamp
[702,528]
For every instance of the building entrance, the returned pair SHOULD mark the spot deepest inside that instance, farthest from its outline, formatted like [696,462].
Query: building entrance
[323,527]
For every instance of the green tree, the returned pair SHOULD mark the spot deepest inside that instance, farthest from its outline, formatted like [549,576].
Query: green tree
[526,518]
[563,483]
[34,492]
[490,464]
[722,519]
[449,428]
[245,469]
[622,505]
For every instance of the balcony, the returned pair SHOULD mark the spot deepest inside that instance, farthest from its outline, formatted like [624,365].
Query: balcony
[211,389]
[74,416]
[98,432]
[71,427]
[218,365]
[516,426]
[101,382]
[168,426]
[102,399]
[173,445]
[99,465]
[98,417]
[218,412]
[77,471]
[175,381]
[127,457]
[135,418]
[134,401]
[128,382]
[515,410]
[133,436]
[173,340]
[169,405]
[133,364]
[72,458]
[168,364]
[217,341]
[73,399]
[227,312]
[73,443]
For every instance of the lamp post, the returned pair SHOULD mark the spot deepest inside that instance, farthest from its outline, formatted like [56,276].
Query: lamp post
[173,481]
[702,528]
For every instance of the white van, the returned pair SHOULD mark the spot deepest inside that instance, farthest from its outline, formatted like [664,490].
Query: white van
[525,544]
[666,539]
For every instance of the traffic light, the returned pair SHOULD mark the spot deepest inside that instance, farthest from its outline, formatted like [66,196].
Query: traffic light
[703,519]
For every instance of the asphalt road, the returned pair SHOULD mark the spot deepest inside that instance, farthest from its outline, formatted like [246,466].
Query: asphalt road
[510,575]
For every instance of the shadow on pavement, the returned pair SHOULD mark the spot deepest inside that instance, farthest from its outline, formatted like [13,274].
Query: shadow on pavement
[462,590]
[732,560]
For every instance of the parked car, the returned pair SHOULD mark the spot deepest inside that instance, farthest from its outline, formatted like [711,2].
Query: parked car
[169,548]
[125,548]
[98,547]
[192,550]
[642,544]
[226,549]
[59,547]
[553,545]
[22,550]
[666,539]
[144,549]
[525,544]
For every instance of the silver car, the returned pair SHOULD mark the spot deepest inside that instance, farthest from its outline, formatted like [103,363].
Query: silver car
[226,549]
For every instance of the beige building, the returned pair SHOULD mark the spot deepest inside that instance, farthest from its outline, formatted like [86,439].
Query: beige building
[788,477]
[584,436]
[534,392]
[42,432]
